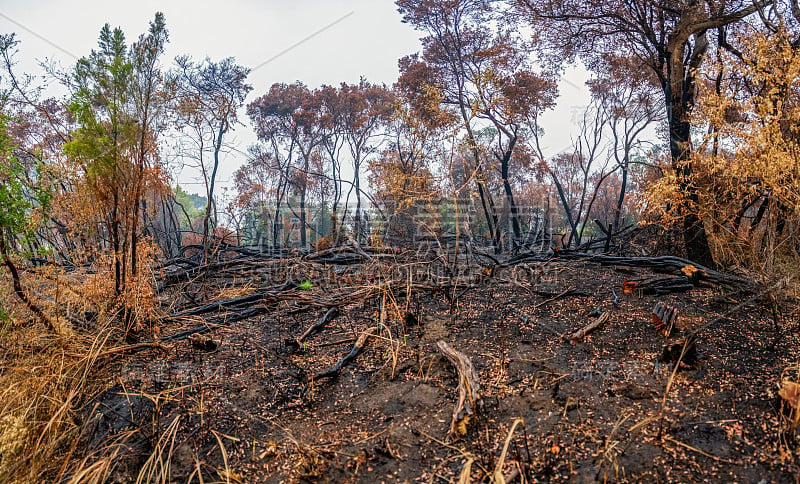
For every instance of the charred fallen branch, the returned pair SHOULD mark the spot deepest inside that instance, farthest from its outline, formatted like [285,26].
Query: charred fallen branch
[349,254]
[358,347]
[326,318]
[232,304]
[185,270]
[251,265]
[243,250]
[237,303]
[228,311]
[213,323]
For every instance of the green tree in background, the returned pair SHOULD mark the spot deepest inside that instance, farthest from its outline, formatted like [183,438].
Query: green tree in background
[18,199]
[118,94]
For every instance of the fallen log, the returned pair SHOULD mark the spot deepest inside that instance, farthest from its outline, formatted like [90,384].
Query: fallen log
[222,305]
[667,263]
[236,304]
[577,336]
[469,388]
[357,349]
[657,285]
[215,322]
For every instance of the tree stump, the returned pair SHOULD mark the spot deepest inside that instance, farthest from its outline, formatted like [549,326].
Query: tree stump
[469,398]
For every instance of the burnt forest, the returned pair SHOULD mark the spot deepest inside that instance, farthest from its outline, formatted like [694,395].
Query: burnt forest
[551,241]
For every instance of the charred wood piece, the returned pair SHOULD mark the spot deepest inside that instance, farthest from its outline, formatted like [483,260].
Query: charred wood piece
[469,389]
[578,335]
[657,285]
[295,344]
[664,318]
[683,354]
[204,343]
[361,342]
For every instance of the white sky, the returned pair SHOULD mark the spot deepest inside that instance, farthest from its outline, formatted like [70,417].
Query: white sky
[367,40]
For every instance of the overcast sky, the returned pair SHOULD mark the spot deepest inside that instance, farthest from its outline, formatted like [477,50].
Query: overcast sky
[314,41]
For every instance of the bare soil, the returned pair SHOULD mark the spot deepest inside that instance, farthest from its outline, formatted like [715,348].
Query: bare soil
[600,410]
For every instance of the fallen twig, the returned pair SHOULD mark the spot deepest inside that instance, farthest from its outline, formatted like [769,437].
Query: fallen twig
[557,296]
[327,318]
[577,336]
[695,449]
[357,348]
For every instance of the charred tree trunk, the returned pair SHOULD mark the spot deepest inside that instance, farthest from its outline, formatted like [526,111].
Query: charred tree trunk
[621,200]
[114,234]
[19,290]
[357,185]
[303,223]
[565,205]
[210,204]
[679,91]
[487,203]
[512,205]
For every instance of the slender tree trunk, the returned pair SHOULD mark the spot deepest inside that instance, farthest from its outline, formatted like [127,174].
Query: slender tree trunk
[621,199]
[512,206]
[357,187]
[113,230]
[303,231]
[172,218]
[139,183]
[212,181]
[505,168]
[337,195]
[567,210]
[134,234]
[487,203]
[276,222]
[19,290]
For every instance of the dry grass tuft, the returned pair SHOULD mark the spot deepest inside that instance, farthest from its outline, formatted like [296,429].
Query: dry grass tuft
[44,378]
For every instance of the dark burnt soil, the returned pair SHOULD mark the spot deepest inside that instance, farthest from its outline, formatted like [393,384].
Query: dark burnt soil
[593,411]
